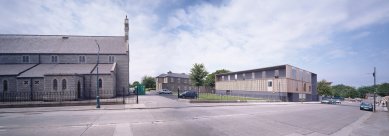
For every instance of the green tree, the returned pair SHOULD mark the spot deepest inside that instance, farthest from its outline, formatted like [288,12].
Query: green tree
[344,91]
[364,90]
[135,83]
[210,79]
[148,82]
[383,89]
[197,75]
[324,88]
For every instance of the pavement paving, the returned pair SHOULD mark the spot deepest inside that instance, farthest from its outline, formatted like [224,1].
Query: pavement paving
[165,115]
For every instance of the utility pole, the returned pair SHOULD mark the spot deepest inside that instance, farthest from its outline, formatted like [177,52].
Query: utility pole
[375,89]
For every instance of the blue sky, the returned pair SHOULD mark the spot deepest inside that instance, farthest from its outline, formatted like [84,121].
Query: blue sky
[340,40]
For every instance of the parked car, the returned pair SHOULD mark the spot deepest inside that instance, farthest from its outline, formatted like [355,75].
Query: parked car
[326,101]
[164,91]
[188,94]
[366,106]
[337,101]
[331,101]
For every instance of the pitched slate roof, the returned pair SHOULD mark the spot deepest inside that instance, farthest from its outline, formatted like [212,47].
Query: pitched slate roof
[42,69]
[13,69]
[169,74]
[105,68]
[61,44]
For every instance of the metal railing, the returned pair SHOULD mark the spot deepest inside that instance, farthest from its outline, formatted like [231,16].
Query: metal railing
[64,98]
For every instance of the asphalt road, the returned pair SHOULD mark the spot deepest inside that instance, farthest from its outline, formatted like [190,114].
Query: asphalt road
[249,120]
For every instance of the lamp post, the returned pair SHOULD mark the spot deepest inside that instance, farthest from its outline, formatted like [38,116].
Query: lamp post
[97,77]
[375,89]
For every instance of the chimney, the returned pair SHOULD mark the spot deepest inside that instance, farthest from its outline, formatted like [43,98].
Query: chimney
[169,72]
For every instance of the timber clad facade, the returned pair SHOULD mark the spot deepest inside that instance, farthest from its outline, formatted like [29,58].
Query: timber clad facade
[173,82]
[286,82]
[64,63]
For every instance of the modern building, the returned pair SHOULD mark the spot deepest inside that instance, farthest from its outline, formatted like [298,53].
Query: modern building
[173,81]
[65,63]
[284,82]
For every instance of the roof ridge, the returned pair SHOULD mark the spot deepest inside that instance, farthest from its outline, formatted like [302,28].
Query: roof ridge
[60,35]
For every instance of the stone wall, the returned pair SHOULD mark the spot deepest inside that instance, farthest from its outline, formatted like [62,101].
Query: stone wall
[11,83]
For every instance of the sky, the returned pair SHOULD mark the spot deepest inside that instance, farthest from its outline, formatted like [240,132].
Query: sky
[339,40]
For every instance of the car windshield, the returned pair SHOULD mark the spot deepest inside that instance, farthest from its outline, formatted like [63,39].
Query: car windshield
[365,103]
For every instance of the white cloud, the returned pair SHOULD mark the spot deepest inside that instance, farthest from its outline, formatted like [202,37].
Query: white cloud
[235,35]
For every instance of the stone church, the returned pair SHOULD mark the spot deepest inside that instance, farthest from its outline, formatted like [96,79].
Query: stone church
[67,64]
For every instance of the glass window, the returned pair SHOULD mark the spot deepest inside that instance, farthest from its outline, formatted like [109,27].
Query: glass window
[263,74]
[100,83]
[54,59]
[81,59]
[55,84]
[26,59]
[5,86]
[178,80]
[63,84]
[253,75]
[269,83]
[236,76]
[276,73]
[294,76]
[171,79]
[111,59]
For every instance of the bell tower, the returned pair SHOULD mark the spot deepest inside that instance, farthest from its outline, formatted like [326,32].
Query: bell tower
[126,29]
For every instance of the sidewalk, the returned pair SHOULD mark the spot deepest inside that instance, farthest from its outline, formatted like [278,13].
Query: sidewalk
[138,106]
[376,125]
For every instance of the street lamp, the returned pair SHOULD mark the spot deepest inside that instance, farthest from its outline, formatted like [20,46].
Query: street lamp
[97,77]
[375,89]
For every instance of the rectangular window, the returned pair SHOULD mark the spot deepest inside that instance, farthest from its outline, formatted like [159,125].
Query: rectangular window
[263,74]
[165,80]
[111,59]
[26,59]
[294,76]
[244,76]
[179,80]
[269,83]
[236,76]
[81,59]
[222,78]
[54,59]
[301,75]
[276,73]
[171,79]
[253,75]
[229,77]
